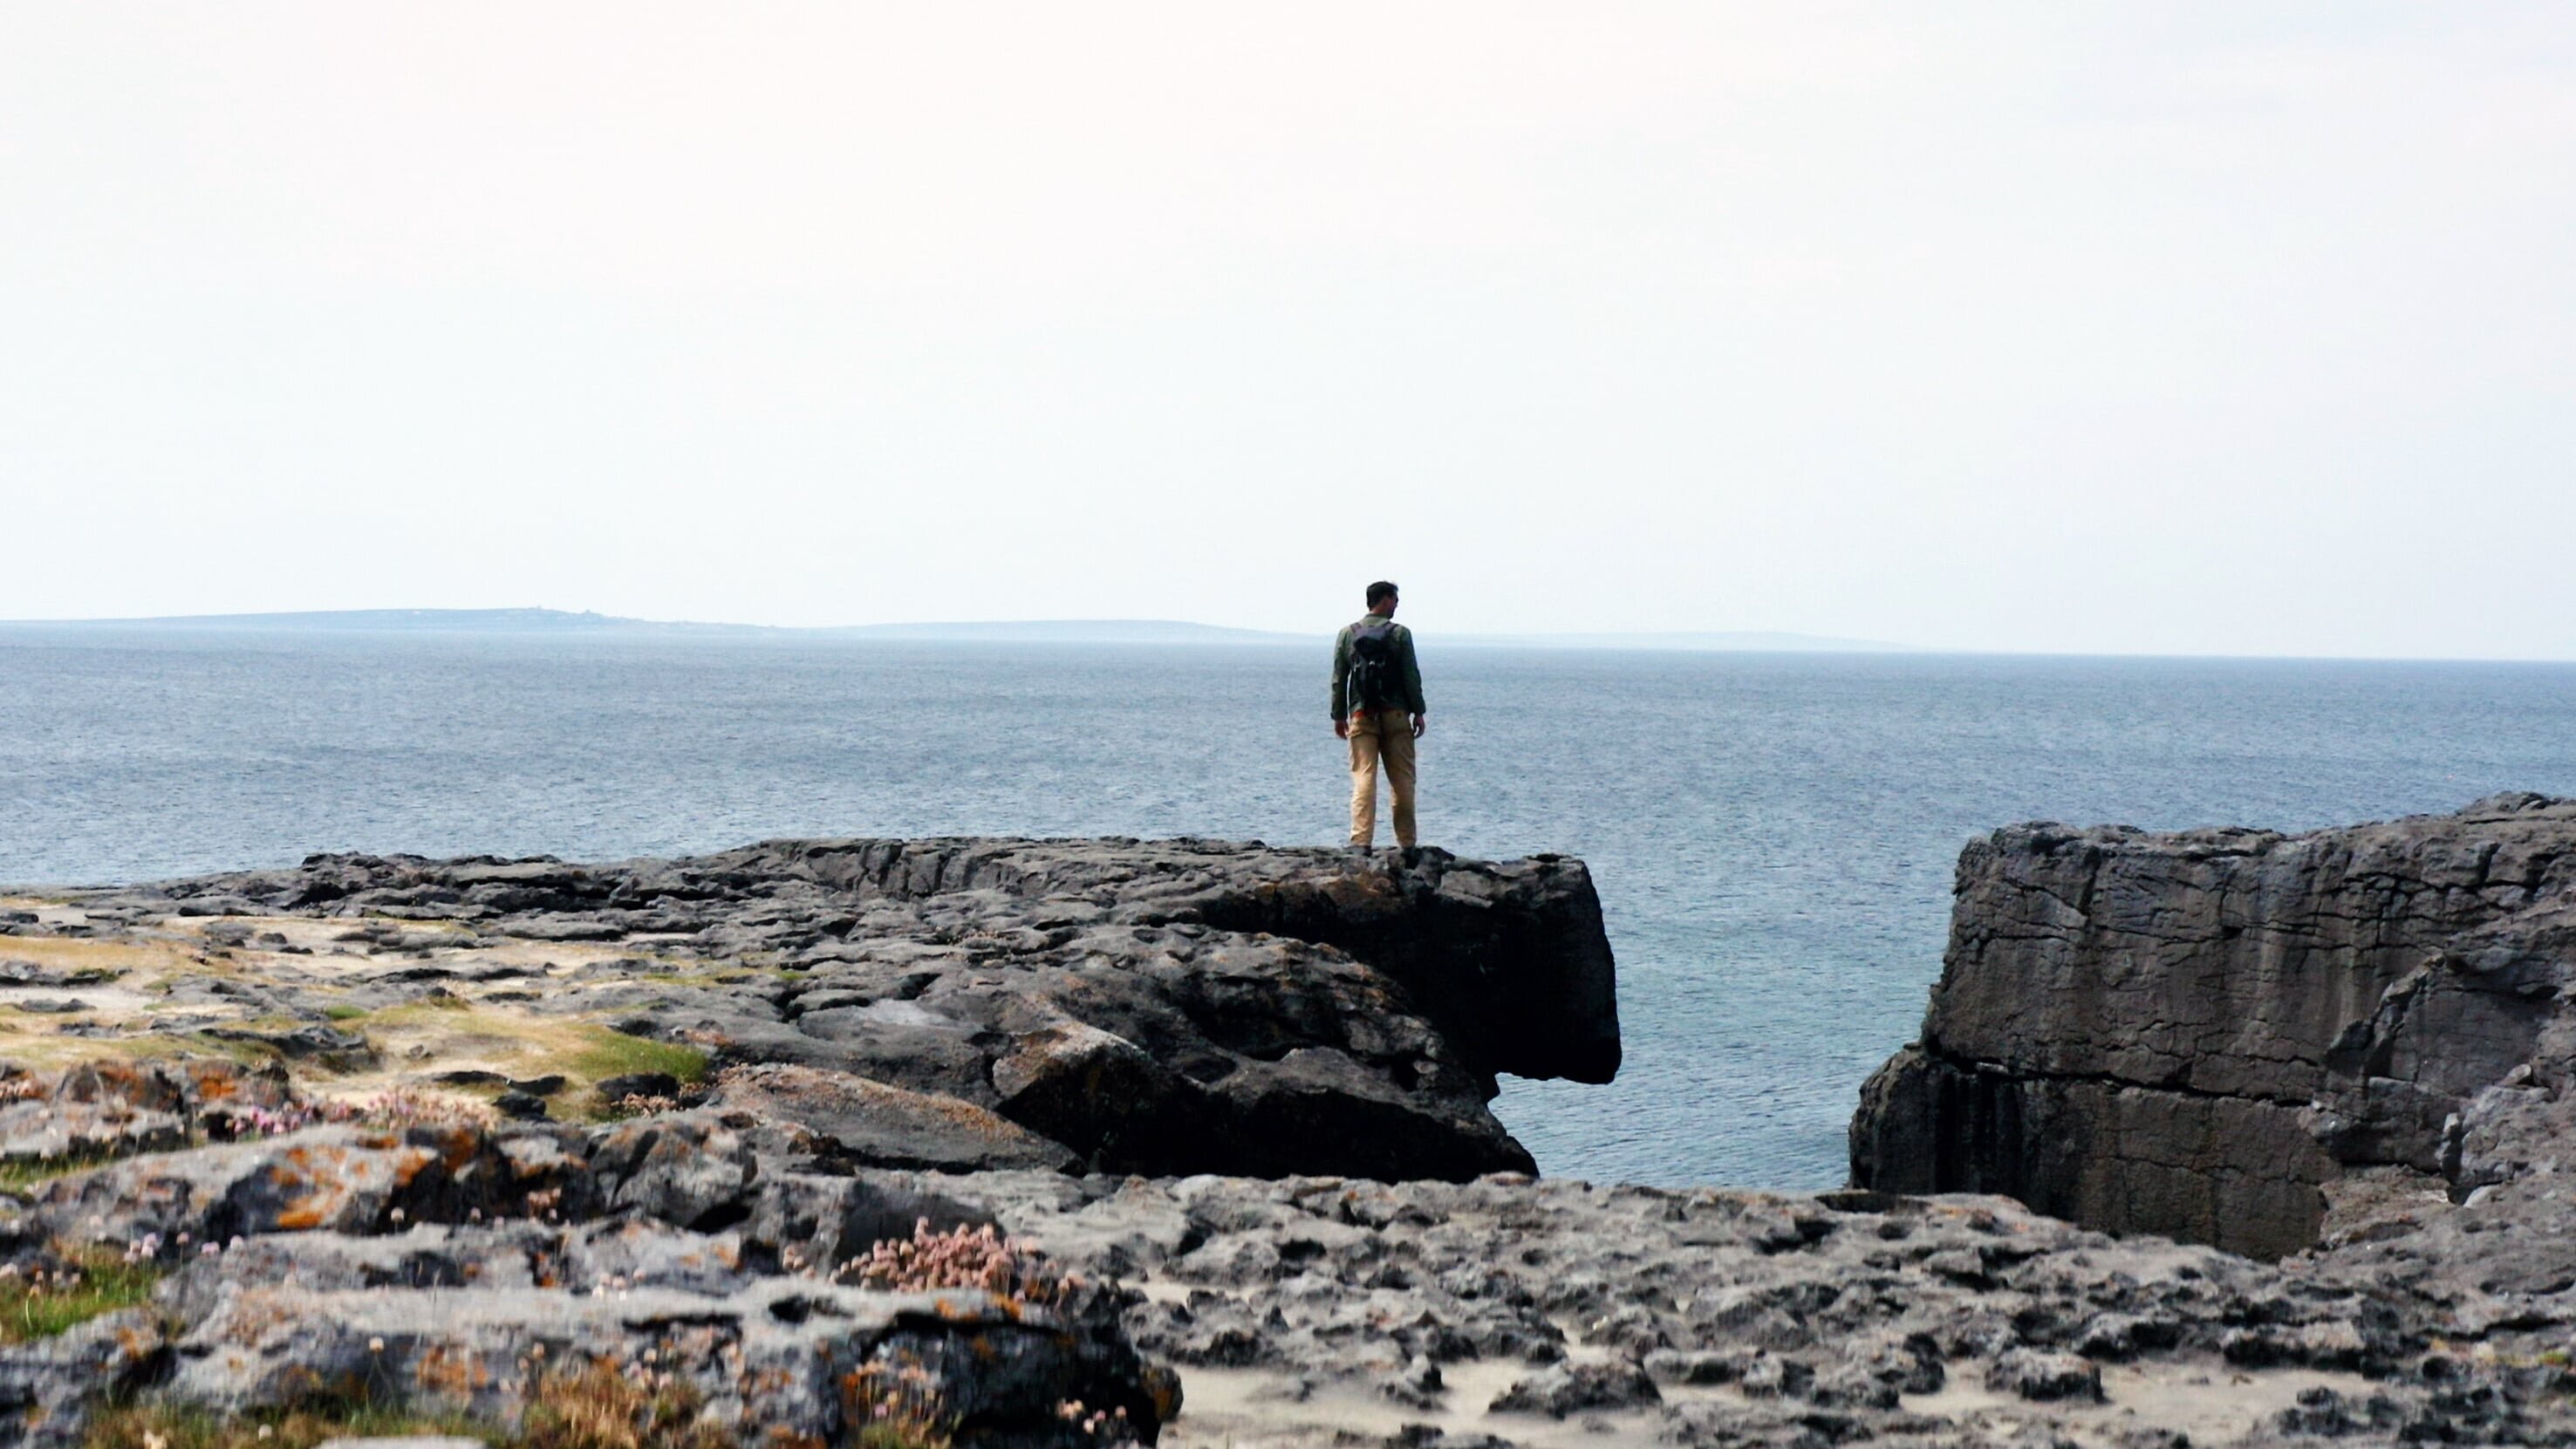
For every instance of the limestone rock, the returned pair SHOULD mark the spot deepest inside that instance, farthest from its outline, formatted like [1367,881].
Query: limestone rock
[1564,1389]
[1171,1007]
[1630,1305]
[770,1356]
[2194,1033]
[2044,1376]
[885,1126]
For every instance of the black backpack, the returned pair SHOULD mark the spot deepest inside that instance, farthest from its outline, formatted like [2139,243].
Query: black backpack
[1373,682]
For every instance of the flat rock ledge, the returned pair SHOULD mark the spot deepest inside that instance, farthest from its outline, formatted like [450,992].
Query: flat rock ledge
[1169,1007]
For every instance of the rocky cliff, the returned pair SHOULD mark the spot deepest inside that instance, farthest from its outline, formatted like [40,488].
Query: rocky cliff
[2244,1038]
[478,1137]
[1172,1007]
[846,1142]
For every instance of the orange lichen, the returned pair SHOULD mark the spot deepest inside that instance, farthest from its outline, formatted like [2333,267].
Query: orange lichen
[408,1166]
[311,1181]
[458,1147]
[447,1369]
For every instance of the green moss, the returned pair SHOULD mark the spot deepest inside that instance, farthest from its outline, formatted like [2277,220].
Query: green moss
[615,1054]
[33,1307]
[247,1053]
[344,1013]
[426,1011]
[900,1434]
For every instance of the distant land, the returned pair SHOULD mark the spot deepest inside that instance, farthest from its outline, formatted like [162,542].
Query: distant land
[405,621]
[1748,642]
[1029,631]
[1067,631]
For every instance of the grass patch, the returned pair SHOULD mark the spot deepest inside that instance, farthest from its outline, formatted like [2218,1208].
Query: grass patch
[615,1054]
[197,1043]
[92,1281]
[441,1013]
[23,1175]
[344,1013]
[419,1038]
[166,1428]
[32,1046]
[594,1406]
[598,1406]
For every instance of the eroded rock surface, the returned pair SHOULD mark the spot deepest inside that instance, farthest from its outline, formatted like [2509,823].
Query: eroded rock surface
[1171,1007]
[1315,1311]
[2257,1040]
[480,1120]
[450,1268]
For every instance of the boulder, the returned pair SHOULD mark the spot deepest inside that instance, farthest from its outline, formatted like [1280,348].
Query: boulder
[1565,1389]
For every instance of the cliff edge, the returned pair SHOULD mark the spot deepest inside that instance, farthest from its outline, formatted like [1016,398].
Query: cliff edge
[873,1142]
[2254,1040]
[1125,1006]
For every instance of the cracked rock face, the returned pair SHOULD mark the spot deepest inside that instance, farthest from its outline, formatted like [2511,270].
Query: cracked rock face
[1317,1312]
[448,1268]
[958,1004]
[398,1185]
[2255,1040]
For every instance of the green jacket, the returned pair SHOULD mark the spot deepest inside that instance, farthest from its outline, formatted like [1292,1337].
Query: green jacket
[1408,674]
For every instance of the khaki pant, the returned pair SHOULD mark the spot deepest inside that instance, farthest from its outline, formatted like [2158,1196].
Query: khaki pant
[1386,735]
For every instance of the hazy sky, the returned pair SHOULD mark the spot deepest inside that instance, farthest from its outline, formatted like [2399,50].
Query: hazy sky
[2230,327]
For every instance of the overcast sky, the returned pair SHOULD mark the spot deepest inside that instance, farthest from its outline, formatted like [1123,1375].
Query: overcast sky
[2229,327]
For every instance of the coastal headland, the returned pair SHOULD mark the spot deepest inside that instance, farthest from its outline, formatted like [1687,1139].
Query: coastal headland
[1083,1142]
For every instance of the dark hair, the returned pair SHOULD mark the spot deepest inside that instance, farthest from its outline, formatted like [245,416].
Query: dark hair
[1379,592]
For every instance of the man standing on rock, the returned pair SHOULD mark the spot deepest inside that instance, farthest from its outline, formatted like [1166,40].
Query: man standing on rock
[1377,706]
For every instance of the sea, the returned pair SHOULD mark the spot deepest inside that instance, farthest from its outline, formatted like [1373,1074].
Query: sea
[1772,834]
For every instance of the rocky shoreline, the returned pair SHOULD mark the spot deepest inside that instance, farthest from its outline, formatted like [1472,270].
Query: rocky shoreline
[1059,1143]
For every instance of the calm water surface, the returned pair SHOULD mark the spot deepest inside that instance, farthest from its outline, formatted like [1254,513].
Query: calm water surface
[1772,834]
